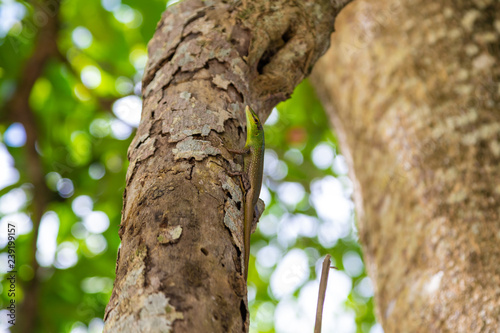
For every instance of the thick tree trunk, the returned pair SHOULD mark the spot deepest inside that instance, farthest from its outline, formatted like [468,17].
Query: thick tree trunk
[413,90]
[180,262]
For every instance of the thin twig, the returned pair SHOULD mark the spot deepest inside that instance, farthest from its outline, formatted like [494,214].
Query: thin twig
[322,291]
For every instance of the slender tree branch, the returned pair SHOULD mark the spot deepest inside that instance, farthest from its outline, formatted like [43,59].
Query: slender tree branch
[321,293]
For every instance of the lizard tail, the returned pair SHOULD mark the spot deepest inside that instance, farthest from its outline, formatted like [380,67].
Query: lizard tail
[247,231]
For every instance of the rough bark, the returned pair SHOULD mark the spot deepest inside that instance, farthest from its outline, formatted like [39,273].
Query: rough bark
[180,263]
[413,90]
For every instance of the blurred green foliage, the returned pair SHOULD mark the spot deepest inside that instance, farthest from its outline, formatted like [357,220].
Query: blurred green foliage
[82,145]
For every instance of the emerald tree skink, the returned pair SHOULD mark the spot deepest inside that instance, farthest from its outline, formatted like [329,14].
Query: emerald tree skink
[252,175]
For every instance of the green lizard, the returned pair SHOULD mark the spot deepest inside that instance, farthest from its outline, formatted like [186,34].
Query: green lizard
[252,175]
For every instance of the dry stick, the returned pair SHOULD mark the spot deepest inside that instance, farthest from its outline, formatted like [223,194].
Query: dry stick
[322,291]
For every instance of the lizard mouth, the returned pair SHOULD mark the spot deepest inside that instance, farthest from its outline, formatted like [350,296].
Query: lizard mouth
[254,117]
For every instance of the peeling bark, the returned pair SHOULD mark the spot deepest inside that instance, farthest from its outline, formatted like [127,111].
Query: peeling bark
[180,263]
[413,91]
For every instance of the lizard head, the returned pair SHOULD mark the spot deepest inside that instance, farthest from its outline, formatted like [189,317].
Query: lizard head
[254,126]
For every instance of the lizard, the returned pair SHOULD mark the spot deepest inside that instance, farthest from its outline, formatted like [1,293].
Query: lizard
[253,158]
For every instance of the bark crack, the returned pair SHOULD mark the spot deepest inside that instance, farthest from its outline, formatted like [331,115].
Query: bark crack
[171,53]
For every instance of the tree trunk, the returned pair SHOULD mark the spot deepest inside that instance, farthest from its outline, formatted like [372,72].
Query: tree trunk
[180,263]
[413,91]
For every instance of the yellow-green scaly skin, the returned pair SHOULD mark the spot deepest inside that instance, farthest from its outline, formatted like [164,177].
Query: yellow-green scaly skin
[253,168]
